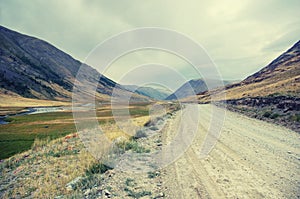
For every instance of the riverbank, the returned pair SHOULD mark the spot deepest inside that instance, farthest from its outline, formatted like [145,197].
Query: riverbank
[4,119]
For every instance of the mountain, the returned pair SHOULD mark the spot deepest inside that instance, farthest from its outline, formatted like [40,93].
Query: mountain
[154,93]
[280,77]
[33,68]
[272,94]
[285,67]
[191,88]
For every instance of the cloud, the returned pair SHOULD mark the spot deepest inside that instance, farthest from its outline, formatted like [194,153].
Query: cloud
[240,36]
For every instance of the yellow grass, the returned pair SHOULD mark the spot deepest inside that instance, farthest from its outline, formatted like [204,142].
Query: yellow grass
[46,169]
[263,88]
[18,101]
[113,132]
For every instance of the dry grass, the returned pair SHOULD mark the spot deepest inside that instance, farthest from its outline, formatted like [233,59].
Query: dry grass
[288,86]
[44,170]
[113,132]
[18,101]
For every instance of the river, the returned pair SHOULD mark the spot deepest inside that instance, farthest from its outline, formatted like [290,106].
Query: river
[34,110]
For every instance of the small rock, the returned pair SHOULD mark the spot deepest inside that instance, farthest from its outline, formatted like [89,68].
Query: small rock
[110,173]
[26,156]
[289,152]
[225,180]
[71,185]
[69,188]
[160,195]
[107,193]
[87,192]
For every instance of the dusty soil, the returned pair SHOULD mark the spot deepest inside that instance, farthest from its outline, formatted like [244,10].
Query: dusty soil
[252,159]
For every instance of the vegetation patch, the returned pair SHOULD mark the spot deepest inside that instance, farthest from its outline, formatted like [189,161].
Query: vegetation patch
[129,182]
[19,135]
[97,168]
[132,145]
[140,134]
[296,118]
[267,114]
[152,174]
[139,194]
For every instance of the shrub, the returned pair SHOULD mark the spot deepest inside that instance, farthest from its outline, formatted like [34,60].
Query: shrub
[131,145]
[97,168]
[152,174]
[267,114]
[153,128]
[129,182]
[137,194]
[274,116]
[296,118]
[140,134]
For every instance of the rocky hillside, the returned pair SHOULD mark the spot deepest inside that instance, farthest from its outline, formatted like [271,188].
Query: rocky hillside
[286,66]
[271,94]
[280,77]
[33,68]
[282,110]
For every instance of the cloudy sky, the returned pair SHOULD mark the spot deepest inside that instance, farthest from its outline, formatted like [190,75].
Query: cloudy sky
[240,36]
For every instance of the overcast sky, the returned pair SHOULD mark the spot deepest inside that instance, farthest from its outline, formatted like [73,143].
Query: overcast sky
[240,36]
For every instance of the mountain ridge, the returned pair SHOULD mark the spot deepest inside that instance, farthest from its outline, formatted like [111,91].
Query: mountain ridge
[280,77]
[33,68]
[154,93]
[193,87]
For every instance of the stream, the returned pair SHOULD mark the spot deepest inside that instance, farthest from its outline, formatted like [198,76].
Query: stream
[33,110]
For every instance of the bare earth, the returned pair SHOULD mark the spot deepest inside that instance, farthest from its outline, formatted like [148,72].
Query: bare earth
[252,159]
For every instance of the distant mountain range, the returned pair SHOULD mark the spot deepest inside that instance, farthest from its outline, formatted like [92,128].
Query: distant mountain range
[193,87]
[154,93]
[33,68]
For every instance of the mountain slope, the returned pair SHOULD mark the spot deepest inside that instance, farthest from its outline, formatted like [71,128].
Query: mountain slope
[280,77]
[153,93]
[32,68]
[284,67]
[191,88]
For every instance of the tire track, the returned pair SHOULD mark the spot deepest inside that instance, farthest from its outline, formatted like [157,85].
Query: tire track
[247,162]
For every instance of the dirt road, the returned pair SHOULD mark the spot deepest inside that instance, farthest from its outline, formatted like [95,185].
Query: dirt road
[251,159]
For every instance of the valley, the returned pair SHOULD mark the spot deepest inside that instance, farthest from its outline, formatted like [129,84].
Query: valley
[22,130]
[154,143]
[259,161]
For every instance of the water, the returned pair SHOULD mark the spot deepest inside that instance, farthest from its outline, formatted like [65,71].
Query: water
[34,110]
[2,120]
[45,110]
